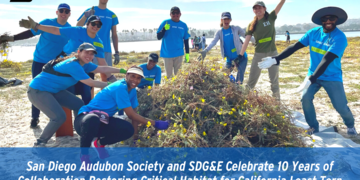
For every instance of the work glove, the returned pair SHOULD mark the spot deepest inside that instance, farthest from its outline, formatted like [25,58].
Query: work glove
[162,125]
[304,86]
[267,62]
[122,71]
[187,57]
[202,55]
[149,79]
[167,26]
[6,38]
[238,59]
[89,12]
[29,24]
[117,58]
[111,79]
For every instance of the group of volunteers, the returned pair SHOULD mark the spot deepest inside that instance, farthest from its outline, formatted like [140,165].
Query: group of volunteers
[66,59]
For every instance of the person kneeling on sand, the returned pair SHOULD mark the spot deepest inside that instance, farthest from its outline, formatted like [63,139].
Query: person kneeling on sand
[327,44]
[47,91]
[95,122]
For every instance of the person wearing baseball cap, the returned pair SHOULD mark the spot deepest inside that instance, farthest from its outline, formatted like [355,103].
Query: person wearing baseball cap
[230,44]
[327,45]
[47,48]
[109,21]
[48,93]
[120,95]
[77,35]
[174,35]
[151,71]
[263,30]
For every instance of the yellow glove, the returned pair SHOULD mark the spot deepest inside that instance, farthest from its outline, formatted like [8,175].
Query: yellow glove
[167,26]
[187,57]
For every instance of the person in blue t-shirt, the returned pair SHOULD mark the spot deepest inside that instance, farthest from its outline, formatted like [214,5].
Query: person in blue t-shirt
[77,36]
[109,21]
[174,34]
[203,42]
[151,71]
[48,93]
[287,34]
[230,45]
[47,48]
[95,123]
[327,45]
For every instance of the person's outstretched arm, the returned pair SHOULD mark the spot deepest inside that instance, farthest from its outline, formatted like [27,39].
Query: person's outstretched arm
[279,6]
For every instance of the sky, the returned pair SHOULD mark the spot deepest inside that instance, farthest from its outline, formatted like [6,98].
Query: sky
[199,14]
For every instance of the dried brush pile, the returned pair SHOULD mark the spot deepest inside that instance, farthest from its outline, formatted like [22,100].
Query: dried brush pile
[207,110]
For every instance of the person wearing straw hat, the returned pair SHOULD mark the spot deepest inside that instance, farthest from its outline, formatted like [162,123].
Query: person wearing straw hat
[95,122]
[47,91]
[230,45]
[327,44]
[263,29]
[47,48]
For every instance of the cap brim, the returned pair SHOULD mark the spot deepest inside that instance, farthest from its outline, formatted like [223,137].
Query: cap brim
[340,13]
[225,17]
[258,5]
[90,49]
[64,8]
[136,71]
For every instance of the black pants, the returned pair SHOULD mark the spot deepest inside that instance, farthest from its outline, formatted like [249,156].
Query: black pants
[82,89]
[88,126]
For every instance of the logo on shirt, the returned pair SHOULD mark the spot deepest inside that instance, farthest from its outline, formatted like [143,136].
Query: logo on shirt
[267,23]
[181,28]
[113,16]
[227,34]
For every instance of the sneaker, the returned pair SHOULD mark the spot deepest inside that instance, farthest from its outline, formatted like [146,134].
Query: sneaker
[351,131]
[100,150]
[39,143]
[85,159]
[311,131]
[34,122]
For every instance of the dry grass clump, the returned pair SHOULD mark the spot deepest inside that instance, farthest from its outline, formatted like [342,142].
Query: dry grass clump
[207,110]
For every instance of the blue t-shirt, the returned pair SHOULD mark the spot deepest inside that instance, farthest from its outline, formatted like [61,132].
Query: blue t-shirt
[172,44]
[53,83]
[229,46]
[154,73]
[108,19]
[49,45]
[320,43]
[112,99]
[77,36]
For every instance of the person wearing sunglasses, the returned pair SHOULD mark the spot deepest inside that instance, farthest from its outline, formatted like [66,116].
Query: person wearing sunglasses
[109,21]
[263,29]
[77,36]
[327,44]
[47,48]
[174,34]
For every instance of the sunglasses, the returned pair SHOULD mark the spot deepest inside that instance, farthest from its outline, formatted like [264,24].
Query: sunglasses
[173,13]
[96,24]
[66,11]
[331,18]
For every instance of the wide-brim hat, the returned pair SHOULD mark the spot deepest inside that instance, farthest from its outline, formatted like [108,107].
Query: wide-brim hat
[331,10]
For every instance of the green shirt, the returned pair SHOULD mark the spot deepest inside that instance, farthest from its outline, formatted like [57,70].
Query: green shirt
[264,34]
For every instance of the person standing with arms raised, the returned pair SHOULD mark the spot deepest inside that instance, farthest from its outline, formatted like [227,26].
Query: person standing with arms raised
[174,34]
[263,29]
[327,45]
[109,21]
[47,48]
